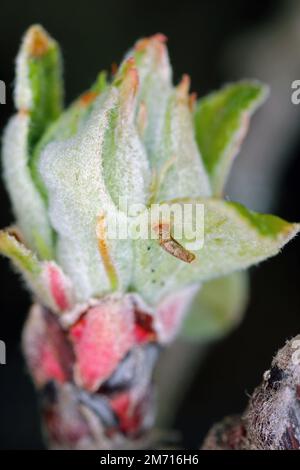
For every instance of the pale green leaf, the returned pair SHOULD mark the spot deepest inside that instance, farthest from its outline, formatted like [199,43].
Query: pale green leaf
[221,123]
[72,171]
[38,98]
[22,258]
[28,206]
[155,77]
[165,122]
[39,87]
[124,159]
[69,122]
[178,165]
[235,239]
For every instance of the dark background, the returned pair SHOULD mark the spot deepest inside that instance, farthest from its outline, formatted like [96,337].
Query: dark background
[93,34]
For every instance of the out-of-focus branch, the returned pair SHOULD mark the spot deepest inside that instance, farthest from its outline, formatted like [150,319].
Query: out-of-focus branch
[272,419]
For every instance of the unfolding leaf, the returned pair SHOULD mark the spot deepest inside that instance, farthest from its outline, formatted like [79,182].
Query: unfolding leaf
[28,205]
[221,123]
[234,239]
[67,125]
[23,258]
[155,75]
[124,159]
[38,98]
[80,204]
[178,165]
[165,118]
[39,81]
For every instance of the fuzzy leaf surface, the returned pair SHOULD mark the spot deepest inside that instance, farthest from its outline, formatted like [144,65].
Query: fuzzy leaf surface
[221,123]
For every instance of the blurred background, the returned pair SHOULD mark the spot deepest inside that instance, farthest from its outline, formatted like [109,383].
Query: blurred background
[214,42]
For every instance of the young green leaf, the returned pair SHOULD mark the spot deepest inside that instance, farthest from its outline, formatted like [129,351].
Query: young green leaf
[179,167]
[39,89]
[28,206]
[234,239]
[80,204]
[221,123]
[124,158]
[155,76]
[165,119]
[22,258]
[45,279]
[67,125]
[38,99]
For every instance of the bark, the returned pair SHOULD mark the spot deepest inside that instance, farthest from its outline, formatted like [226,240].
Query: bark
[272,419]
